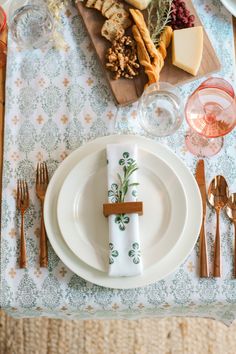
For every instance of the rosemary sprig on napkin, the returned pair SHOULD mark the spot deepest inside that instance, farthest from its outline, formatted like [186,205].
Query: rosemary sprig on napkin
[118,191]
[159,12]
[125,181]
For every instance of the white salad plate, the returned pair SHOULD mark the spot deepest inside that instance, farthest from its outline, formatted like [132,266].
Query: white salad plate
[80,209]
[162,267]
[230,5]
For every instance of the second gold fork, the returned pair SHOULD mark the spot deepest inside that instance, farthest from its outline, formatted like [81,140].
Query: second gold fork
[41,187]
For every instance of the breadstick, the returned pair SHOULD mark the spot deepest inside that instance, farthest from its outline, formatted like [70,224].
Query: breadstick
[142,27]
[165,39]
[143,57]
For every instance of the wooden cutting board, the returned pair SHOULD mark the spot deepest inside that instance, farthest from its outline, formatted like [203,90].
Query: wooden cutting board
[127,91]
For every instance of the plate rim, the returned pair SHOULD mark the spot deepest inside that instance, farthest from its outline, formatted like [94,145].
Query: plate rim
[151,275]
[60,213]
[229,7]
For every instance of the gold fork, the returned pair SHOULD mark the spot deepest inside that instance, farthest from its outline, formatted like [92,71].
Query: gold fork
[41,187]
[22,203]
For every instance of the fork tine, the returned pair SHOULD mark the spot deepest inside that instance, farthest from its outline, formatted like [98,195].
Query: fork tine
[27,190]
[23,190]
[45,170]
[41,173]
[46,167]
[20,189]
[37,173]
[18,193]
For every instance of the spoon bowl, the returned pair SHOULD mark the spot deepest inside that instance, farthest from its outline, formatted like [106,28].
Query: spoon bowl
[218,194]
[231,207]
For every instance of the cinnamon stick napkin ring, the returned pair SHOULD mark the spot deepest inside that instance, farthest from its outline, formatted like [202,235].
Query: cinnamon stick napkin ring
[123,208]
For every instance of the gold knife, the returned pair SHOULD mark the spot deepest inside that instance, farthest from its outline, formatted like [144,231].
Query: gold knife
[200,178]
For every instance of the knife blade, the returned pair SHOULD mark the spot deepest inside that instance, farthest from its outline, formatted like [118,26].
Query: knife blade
[201,181]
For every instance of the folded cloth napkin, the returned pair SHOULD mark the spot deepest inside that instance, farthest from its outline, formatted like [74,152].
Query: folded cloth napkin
[124,244]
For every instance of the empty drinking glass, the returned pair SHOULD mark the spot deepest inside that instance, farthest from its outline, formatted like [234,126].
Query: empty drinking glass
[160,110]
[31,23]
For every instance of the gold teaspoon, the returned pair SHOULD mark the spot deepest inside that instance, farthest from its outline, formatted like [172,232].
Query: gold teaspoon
[231,212]
[218,194]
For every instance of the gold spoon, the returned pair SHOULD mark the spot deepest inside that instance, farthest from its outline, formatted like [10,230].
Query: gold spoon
[218,194]
[231,212]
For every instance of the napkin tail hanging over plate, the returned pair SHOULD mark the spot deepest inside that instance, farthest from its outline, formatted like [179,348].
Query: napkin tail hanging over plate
[124,242]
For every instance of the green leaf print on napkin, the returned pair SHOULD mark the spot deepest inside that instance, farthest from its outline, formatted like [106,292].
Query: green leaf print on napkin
[121,220]
[135,253]
[113,193]
[113,253]
[117,193]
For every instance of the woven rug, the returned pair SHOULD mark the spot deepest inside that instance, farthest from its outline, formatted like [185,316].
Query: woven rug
[151,336]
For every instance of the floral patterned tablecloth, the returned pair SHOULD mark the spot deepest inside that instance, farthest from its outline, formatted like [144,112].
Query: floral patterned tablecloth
[57,100]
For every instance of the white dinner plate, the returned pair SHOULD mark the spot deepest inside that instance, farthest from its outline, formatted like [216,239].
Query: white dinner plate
[230,6]
[80,209]
[166,265]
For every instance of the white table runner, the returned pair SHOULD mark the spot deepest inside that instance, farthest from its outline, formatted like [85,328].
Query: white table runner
[56,101]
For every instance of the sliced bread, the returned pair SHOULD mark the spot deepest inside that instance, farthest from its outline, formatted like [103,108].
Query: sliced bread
[112,30]
[123,21]
[106,5]
[98,5]
[115,9]
[90,3]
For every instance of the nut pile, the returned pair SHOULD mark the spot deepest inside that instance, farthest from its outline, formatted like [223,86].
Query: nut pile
[180,15]
[121,58]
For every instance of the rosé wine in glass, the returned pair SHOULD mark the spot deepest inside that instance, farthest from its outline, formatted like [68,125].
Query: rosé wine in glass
[211,113]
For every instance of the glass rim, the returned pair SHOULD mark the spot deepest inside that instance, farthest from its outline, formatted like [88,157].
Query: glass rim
[202,87]
[199,88]
[160,83]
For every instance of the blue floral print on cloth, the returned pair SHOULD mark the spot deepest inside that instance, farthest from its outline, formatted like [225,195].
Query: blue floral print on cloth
[57,101]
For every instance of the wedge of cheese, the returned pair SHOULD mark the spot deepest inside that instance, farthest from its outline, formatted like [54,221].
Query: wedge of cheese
[187,48]
[140,4]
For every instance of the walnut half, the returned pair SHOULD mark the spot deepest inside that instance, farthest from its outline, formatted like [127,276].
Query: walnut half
[121,58]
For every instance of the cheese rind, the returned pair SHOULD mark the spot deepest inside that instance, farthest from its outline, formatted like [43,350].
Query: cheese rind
[139,4]
[187,49]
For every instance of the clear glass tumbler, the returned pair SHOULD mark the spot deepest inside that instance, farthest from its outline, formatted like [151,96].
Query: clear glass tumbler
[160,110]
[211,113]
[31,23]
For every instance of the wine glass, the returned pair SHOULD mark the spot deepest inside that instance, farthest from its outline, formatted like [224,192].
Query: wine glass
[211,113]
[31,23]
[160,110]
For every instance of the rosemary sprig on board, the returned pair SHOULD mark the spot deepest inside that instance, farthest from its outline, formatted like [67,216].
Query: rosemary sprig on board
[159,12]
[125,181]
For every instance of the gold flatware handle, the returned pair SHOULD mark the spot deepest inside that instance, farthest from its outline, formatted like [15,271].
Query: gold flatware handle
[23,262]
[217,256]
[43,244]
[204,272]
